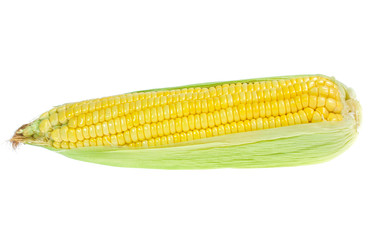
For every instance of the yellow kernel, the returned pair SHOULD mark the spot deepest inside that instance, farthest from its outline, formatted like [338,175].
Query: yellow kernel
[309,113]
[64,145]
[114,111]
[230,101]
[317,117]
[133,134]
[330,104]
[211,105]
[64,133]
[117,125]
[106,140]
[248,97]
[185,108]
[203,120]
[242,111]
[210,119]
[69,113]
[236,116]
[260,96]
[95,117]
[338,107]
[160,113]
[323,111]
[253,124]
[292,92]
[277,121]
[265,123]
[233,126]
[56,144]
[178,125]
[242,98]
[105,128]
[179,109]
[81,120]
[247,125]
[229,113]
[77,110]
[268,109]
[290,119]
[249,111]
[314,91]
[72,145]
[141,117]
[273,93]
[262,109]
[254,97]
[53,118]
[332,93]
[140,133]
[259,124]
[277,107]
[45,126]
[154,116]
[85,107]
[271,122]
[284,120]
[323,91]
[89,118]
[72,122]
[313,101]
[166,127]
[56,136]
[255,110]
[332,117]
[285,91]
[298,103]
[166,113]
[111,126]
[85,131]
[154,130]
[107,114]
[72,135]
[172,126]
[79,134]
[135,119]
[160,129]
[191,122]
[127,137]
[305,100]
[190,136]
[183,137]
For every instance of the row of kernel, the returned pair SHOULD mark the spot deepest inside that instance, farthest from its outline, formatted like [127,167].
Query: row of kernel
[158,137]
[153,99]
[233,127]
[161,98]
[242,112]
[261,109]
[181,108]
[219,89]
[165,127]
[242,97]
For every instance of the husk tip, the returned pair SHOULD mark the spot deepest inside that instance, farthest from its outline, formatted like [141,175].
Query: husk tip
[18,138]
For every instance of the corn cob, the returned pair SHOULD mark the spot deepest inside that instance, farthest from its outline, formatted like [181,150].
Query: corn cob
[279,121]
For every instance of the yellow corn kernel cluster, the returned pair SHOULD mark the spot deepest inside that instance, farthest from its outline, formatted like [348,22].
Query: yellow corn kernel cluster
[158,118]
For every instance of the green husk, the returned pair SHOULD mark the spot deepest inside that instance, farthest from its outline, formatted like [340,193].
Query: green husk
[285,146]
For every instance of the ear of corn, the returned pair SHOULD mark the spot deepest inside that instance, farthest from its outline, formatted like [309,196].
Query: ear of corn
[266,122]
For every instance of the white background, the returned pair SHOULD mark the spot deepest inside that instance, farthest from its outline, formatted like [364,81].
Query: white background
[53,52]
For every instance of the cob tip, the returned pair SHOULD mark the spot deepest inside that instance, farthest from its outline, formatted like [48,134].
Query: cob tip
[18,137]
